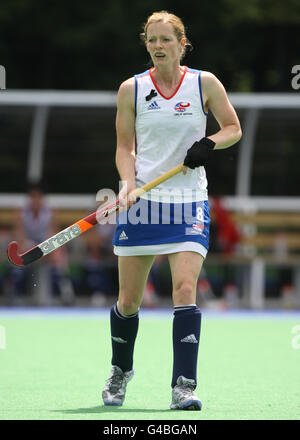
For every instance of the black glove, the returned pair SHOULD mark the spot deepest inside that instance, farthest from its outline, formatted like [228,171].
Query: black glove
[198,154]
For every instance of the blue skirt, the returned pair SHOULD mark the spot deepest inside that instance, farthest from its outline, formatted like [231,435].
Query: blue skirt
[149,223]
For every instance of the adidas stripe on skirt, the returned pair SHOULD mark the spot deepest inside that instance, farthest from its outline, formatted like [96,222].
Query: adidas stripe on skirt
[152,228]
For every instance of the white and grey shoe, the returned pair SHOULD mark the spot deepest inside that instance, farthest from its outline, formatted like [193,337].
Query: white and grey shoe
[115,387]
[183,396]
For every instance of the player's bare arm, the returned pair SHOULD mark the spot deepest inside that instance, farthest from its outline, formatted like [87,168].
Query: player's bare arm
[125,129]
[216,100]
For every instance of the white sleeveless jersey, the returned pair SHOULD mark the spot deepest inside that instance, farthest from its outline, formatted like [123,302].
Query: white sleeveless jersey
[166,127]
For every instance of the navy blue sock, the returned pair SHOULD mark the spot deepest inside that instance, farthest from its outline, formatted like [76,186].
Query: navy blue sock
[123,334]
[186,335]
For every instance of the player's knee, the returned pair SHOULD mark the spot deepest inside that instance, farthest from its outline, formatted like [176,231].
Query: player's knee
[128,306]
[184,293]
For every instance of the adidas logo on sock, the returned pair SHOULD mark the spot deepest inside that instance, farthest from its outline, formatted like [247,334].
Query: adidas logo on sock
[123,236]
[153,106]
[120,340]
[190,338]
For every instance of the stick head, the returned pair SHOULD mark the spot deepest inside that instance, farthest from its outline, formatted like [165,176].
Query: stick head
[13,254]
[22,260]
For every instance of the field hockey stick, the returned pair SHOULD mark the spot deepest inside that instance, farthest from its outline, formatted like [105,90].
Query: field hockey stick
[76,229]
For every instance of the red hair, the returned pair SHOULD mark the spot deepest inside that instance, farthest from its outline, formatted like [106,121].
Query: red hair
[167,17]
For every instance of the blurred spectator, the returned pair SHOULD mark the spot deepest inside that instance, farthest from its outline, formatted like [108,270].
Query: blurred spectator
[100,264]
[205,291]
[47,277]
[288,297]
[227,234]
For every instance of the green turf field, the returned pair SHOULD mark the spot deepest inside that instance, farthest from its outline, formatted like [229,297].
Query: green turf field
[54,367]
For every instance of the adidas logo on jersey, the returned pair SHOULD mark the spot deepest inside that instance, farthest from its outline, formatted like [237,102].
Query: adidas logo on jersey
[123,236]
[190,338]
[153,106]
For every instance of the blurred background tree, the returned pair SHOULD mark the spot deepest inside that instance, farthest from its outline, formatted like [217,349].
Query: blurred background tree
[95,45]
